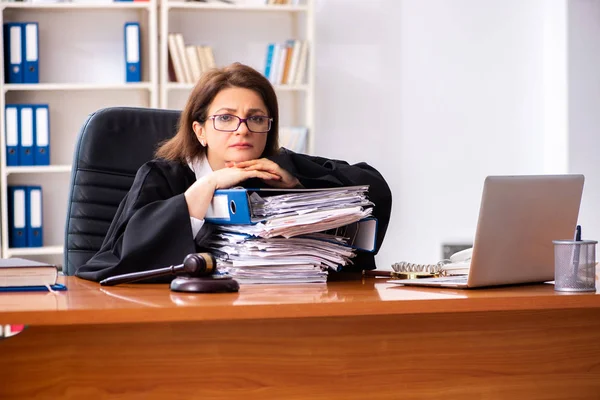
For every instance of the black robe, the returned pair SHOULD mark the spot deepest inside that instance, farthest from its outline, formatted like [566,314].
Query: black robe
[152,229]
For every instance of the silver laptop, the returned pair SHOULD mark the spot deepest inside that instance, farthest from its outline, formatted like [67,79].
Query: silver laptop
[519,217]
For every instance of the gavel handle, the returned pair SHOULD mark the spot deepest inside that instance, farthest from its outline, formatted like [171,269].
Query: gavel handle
[136,276]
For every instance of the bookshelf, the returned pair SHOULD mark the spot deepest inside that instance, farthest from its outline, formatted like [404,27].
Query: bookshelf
[256,26]
[81,59]
[81,69]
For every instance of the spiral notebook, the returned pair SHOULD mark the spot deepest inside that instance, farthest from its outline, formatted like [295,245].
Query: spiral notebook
[519,217]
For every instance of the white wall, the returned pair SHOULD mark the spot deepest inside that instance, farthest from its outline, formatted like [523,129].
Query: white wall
[584,107]
[438,94]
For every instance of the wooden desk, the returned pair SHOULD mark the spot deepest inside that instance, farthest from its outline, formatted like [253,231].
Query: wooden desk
[350,340]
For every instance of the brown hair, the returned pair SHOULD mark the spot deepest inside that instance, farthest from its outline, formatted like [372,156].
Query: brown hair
[184,145]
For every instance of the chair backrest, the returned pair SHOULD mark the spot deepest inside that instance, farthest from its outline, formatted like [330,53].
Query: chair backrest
[112,144]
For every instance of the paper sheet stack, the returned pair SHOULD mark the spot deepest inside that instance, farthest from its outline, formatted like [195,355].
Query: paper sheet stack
[297,241]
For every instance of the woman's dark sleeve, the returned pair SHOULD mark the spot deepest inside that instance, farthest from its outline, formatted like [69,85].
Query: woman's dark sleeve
[151,229]
[318,172]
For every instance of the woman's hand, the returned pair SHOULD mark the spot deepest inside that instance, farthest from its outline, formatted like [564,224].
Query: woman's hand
[285,181]
[199,195]
[230,176]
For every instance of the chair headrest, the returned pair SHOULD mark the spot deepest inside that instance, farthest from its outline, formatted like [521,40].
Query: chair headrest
[121,139]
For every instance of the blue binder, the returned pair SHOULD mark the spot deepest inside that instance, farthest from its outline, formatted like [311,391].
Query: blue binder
[230,206]
[41,150]
[132,52]
[26,132]
[11,128]
[34,216]
[13,53]
[17,216]
[31,53]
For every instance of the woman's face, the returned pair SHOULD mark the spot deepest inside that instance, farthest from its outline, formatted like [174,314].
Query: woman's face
[225,138]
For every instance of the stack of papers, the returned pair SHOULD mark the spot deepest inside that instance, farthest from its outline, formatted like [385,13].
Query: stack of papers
[303,259]
[291,225]
[300,203]
[293,242]
[301,212]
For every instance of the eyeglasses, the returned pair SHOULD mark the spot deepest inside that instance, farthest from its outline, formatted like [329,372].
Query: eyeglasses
[231,123]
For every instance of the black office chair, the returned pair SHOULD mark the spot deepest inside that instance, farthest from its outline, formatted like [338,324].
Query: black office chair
[112,144]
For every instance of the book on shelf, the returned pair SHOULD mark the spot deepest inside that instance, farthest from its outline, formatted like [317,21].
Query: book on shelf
[20,272]
[285,63]
[188,62]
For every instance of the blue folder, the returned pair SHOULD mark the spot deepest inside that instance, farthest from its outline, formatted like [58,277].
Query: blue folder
[34,216]
[17,216]
[26,134]
[231,206]
[30,53]
[11,129]
[41,148]
[132,52]
[13,52]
